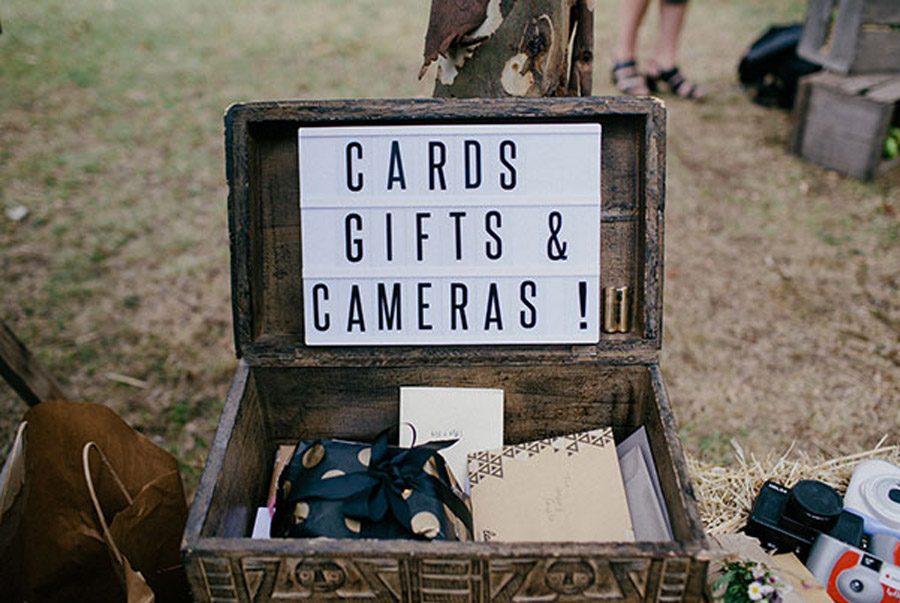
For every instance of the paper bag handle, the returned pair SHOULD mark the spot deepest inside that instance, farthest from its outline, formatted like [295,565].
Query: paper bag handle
[135,585]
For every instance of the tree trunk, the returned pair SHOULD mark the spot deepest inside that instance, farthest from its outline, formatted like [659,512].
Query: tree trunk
[520,48]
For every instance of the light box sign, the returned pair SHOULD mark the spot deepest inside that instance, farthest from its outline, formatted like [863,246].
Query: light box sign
[451,235]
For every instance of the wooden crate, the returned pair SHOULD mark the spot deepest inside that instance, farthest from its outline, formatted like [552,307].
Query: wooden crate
[841,122]
[852,36]
[284,390]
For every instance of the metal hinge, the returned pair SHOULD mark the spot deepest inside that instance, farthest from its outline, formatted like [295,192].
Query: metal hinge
[616,301]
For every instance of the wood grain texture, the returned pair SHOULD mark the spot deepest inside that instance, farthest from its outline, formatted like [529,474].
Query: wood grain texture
[23,372]
[284,391]
[377,571]
[540,400]
[238,455]
[841,122]
[582,64]
[357,403]
[265,233]
[852,37]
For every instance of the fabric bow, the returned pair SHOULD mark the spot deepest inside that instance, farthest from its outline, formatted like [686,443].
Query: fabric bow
[370,495]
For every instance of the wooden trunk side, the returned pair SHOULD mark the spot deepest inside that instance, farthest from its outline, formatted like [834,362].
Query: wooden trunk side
[815,29]
[652,228]
[862,38]
[877,50]
[264,222]
[240,462]
[840,122]
[798,115]
[540,400]
[662,431]
[419,572]
[881,11]
[224,565]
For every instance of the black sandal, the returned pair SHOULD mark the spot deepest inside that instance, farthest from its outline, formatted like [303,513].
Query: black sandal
[673,82]
[628,80]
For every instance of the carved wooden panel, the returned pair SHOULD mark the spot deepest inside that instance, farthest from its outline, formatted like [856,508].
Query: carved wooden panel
[449,580]
[569,579]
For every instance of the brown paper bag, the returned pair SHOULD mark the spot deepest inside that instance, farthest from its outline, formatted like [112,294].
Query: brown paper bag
[12,509]
[66,553]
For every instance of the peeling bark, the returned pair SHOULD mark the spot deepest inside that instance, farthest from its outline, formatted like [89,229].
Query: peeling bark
[519,48]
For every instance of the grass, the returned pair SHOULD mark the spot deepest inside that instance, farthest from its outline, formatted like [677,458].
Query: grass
[111,136]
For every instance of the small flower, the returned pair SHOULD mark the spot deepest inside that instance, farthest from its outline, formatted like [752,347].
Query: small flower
[754,591]
[758,571]
[767,589]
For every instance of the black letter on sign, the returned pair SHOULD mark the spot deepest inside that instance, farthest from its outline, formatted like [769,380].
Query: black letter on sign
[492,313]
[507,152]
[435,164]
[395,171]
[386,315]
[423,305]
[457,229]
[494,252]
[421,216]
[473,180]
[389,236]
[528,316]
[322,321]
[355,315]
[353,248]
[459,299]
[357,184]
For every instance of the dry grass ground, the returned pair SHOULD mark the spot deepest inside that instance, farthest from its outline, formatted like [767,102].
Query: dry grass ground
[782,311]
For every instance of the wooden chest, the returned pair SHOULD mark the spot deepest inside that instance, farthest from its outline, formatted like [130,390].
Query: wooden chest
[841,122]
[284,389]
[852,36]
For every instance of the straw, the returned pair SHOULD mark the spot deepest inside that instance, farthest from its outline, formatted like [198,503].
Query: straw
[726,494]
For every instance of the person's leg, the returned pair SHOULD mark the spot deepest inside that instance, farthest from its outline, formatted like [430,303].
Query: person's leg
[631,14]
[668,36]
[625,74]
[663,71]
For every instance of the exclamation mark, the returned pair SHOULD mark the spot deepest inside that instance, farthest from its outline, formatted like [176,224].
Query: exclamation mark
[582,303]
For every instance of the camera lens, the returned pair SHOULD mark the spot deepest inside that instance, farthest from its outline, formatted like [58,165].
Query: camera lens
[894,495]
[814,504]
[856,586]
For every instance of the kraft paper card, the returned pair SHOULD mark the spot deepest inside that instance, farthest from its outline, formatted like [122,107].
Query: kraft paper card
[563,489]
[473,415]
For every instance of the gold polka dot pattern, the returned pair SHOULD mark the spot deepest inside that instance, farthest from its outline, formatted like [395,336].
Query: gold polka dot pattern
[364,456]
[313,456]
[425,523]
[301,512]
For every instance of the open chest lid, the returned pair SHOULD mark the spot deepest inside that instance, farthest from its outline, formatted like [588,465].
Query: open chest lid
[417,232]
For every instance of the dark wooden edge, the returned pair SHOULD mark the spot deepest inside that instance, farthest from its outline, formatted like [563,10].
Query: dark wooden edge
[798,114]
[653,223]
[684,487]
[875,163]
[304,547]
[203,497]
[240,117]
[236,167]
[23,372]
[841,52]
[814,30]
[271,352]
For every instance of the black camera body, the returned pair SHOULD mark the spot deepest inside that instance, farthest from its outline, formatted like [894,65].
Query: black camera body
[789,520]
